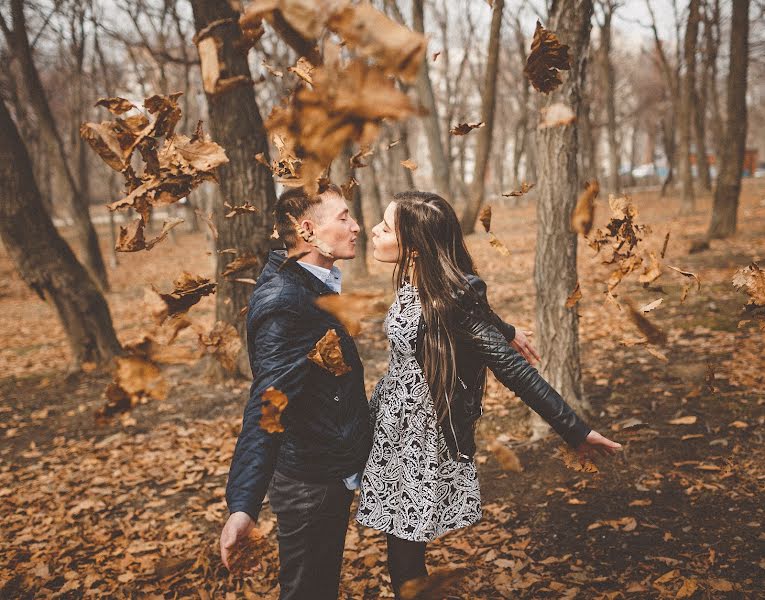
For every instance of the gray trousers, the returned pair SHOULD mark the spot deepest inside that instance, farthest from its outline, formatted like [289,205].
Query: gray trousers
[311,519]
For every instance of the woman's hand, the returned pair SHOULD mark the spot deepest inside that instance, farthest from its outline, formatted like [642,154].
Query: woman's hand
[596,443]
[522,344]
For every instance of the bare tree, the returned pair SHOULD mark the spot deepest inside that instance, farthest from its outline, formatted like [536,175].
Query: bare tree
[608,7]
[728,190]
[43,258]
[688,199]
[555,273]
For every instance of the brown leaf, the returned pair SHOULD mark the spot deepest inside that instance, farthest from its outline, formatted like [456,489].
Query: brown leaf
[687,287]
[751,280]
[323,248]
[435,586]
[652,271]
[242,263]
[409,164]
[687,420]
[270,69]
[574,296]
[242,209]
[116,106]
[653,334]
[209,63]
[584,212]
[357,160]
[525,187]
[188,289]
[208,219]
[329,355]
[688,588]
[303,69]
[664,245]
[485,217]
[571,460]
[224,343]
[556,115]
[507,458]
[131,237]
[140,377]
[465,128]
[270,419]
[497,243]
[351,308]
[547,57]
[651,306]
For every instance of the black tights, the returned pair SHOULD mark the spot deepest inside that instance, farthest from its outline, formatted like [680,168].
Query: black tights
[406,560]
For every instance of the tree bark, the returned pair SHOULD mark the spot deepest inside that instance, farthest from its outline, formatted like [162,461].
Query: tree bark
[700,94]
[726,197]
[43,258]
[343,174]
[236,124]
[610,79]
[688,199]
[78,205]
[712,42]
[431,122]
[555,274]
[488,105]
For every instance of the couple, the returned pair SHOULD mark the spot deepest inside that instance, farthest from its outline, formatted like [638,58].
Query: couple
[410,449]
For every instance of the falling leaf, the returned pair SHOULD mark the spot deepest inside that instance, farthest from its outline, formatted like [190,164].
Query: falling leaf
[499,245]
[350,308]
[651,306]
[270,69]
[574,296]
[465,128]
[751,280]
[525,187]
[116,106]
[547,57]
[652,271]
[207,218]
[243,209]
[224,343]
[270,419]
[131,237]
[303,69]
[584,212]
[507,458]
[435,586]
[572,461]
[242,263]
[323,248]
[485,217]
[653,334]
[688,285]
[687,420]
[329,355]
[664,245]
[436,55]
[556,115]
[357,160]
[188,289]
[409,164]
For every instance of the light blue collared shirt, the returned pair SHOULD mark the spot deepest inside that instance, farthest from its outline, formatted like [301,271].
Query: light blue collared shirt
[334,279]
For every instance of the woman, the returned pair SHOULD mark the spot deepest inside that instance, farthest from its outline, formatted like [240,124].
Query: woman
[420,480]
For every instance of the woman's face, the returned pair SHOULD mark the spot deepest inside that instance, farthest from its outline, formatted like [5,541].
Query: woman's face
[384,240]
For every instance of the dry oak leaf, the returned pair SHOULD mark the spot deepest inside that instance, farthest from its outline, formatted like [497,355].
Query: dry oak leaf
[188,289]
[436,586]
[207,218]
[351,308]
[224,343]
[303,69]
[498,245]
[242,209]
[131,237]
[556,115]
[751,280]
[525,187]
[409,164]
[465,128]
[116,106]
[323,248]
[485,218]
[574,296]
[328,354]
[584,212]
[275,402]
[572,461]
[242,263]
[547,57]
[651,305]
[687,287]
[687,420]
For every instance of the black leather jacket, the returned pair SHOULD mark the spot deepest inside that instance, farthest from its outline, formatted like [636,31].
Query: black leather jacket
[483,340]
[327,434]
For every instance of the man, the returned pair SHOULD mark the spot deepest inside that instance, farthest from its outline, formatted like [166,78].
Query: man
[313,466]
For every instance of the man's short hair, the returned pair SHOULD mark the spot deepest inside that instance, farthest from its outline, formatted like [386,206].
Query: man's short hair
[297,202]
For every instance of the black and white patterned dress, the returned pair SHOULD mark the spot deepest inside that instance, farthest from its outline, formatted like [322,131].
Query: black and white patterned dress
[410,487]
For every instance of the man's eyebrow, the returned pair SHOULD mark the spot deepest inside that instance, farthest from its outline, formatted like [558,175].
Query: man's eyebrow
[346,210]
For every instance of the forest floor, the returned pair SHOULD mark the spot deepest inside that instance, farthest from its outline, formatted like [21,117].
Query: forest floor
[134,507]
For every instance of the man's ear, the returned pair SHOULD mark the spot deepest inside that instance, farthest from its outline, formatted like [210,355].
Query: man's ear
[307,226]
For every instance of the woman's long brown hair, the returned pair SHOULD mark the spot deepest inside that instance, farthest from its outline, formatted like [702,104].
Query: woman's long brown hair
[427,227]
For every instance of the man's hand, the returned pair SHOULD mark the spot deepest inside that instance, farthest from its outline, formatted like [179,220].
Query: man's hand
[237,528]
[596,443]
[522,344]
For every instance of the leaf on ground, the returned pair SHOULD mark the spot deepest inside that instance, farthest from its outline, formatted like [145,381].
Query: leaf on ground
[572,461]
[485,217]
[506,457]
[275,402]
[224,343]
[687,420]
[328,354]
[547,57]
[574,297]
[688,588]
[498,244]
[584,212]
[437,585]
[465,128]
[525,187]
[350,308]
[556,115]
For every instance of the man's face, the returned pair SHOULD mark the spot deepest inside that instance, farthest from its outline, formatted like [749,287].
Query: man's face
[334,225]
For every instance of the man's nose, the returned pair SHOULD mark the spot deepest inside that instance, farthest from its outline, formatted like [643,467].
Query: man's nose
[355,226]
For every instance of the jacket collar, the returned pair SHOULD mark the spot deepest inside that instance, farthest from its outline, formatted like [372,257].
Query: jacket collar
[278,262]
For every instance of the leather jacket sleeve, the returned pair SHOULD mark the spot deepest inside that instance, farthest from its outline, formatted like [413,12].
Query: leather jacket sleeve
[489,343]
[278,359]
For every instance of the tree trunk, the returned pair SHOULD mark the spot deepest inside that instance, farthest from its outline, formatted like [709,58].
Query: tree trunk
[78,206]
[342,174]
[488,104]
[43,258]
[700,94]
[712,42]
[555,273]
[431,123]
[610,79]
[236,124]
[688,200]
[725,205]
